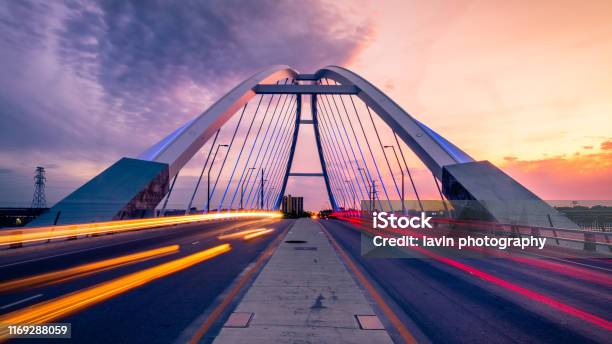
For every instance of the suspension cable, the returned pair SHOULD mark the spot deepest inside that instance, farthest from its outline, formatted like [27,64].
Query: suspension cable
[351,171]
[327,127]
[338,138]
[348,141]
[253,145]
[440,192]
[284,114]
[274,118]
[276,147]
[365,182]
[229,148]
[382,182]
[285,134]
[163,210]
[408,170]
[278,175]
[276,169]
[195,190]
[327,142]
[383,150]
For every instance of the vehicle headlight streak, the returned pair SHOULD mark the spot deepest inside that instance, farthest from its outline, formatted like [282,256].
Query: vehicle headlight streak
[86,269]
[71,303]
[258,234]
[245,234]
[65,231]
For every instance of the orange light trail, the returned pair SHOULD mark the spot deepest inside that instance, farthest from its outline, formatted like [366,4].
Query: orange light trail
[64,231]
[71,303]
[257,234]
[86,269]
[239,233]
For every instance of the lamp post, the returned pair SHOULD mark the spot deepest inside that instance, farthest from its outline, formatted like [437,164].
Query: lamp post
[402,171]
[261,202]
[208,178]
[242,186]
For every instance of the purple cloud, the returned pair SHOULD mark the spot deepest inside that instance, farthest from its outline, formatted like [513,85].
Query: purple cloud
[94,81]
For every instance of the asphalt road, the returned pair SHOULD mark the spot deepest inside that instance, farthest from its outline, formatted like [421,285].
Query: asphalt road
[156,312]
[441,303]
[437,301]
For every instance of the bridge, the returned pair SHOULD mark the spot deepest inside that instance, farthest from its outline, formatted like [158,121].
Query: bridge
[231,269]
[133,187]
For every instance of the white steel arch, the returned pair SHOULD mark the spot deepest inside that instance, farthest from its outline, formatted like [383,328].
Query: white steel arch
[181,145]
[434,150]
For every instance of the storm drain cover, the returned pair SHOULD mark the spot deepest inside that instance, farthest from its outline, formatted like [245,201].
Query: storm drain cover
[239,319]
[369,322]
[296,241]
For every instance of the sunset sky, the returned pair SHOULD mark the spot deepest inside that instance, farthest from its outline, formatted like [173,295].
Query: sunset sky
[525,85]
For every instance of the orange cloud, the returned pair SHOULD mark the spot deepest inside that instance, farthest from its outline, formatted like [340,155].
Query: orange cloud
[574,177]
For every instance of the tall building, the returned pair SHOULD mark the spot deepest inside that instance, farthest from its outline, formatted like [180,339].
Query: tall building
[293,205]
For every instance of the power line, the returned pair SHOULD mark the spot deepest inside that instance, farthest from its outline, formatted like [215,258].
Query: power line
[39,200]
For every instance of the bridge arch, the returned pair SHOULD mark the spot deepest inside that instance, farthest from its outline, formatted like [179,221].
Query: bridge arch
[181,145]
[133,187]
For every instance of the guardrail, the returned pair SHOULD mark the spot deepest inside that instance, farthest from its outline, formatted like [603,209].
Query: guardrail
[592,241]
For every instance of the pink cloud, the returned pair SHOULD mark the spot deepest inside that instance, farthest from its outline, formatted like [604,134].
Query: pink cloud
[577,176]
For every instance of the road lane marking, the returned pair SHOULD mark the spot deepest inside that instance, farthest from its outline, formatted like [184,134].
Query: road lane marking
[393,318]
[195,242]
[21,301]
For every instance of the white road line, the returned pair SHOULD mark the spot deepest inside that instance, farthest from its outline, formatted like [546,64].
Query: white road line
[195,242]
[21,301]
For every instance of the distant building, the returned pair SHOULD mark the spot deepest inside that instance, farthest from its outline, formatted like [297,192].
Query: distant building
[293,205]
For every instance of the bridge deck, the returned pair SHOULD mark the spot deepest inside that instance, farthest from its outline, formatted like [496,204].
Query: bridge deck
[304,291]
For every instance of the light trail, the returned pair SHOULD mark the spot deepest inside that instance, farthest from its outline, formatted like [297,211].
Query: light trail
[239,234]
[85,269]
[533,295]
[68,304]
[65,231]
[258,234]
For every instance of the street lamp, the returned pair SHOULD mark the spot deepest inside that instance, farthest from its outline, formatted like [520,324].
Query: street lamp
[242,185]
[208,178]
[402,171]
[261,202]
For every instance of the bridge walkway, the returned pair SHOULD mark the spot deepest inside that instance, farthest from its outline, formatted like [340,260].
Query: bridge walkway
[304,293]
